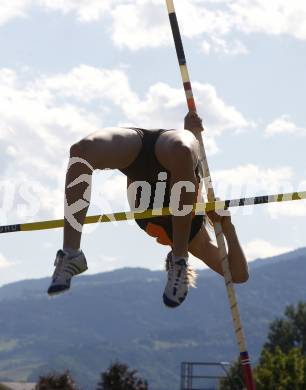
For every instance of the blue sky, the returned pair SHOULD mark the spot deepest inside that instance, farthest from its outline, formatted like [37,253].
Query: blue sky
[70,67]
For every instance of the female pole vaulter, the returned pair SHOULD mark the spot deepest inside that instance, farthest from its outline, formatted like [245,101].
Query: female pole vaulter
[151,156]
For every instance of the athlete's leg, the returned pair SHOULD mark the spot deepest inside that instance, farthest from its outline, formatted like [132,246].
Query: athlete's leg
[178,152]
[206,250]
[107,148]
[113,148]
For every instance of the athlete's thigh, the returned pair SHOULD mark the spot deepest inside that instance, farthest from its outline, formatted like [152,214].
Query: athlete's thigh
[171,143]
[112,147]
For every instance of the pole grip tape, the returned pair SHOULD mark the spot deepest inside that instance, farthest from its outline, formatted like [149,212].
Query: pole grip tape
[177,39]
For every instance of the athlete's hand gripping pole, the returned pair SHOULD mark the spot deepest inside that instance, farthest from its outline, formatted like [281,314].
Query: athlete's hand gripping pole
[211,197]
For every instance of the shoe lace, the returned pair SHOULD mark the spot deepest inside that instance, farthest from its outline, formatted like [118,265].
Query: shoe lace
[189,273]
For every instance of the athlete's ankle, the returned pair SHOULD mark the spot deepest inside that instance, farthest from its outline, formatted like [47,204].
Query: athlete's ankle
[71,252]
[176,257]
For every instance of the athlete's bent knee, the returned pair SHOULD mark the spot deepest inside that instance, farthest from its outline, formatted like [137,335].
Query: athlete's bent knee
[183,152]
[75,150]
[184,158]
[81,149]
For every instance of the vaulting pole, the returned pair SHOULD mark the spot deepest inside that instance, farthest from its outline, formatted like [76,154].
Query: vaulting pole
[244,356]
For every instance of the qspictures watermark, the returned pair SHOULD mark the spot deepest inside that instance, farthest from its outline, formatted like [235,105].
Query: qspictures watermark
[25,199]
[145,200]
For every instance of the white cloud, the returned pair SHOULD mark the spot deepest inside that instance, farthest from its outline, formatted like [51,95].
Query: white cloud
[259,248]
[55,111]
[86,83]
[143,23]
[11,9]
[109,195]
[140,24]
[103,263]
[114,188]
[284,125]
[219,116]
[251,180]
[37,127]
[219,45]
[291,209]
[164,104]
[221,18]
[198,18]
[4,263]
[86,10]
[7,77]
[270,17]
[161,107]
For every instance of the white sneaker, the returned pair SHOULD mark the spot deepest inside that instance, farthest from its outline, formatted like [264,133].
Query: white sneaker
[66,268]
[180,277]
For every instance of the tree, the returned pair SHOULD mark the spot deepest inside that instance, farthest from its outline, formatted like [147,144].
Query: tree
[56,382]
[289,332]
[234,380]
[118,377]
[282,363]
[2,387]
[281,371]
